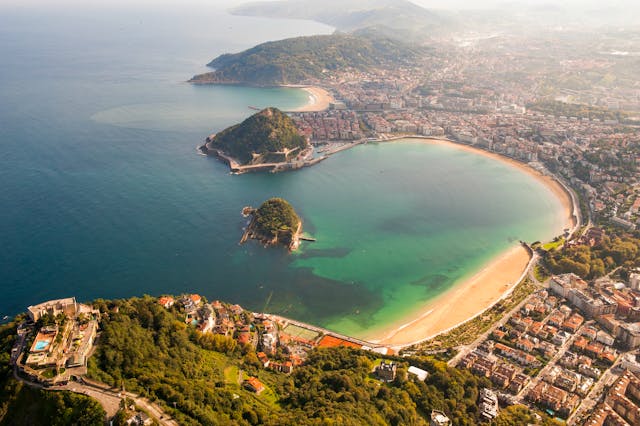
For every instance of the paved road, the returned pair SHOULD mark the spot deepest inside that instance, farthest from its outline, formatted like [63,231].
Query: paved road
[102,389]
[107,397]
[110,402]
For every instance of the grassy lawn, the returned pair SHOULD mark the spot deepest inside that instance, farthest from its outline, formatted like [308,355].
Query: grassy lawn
[49,373]
[231,375]
[295,331]
[540,273]
[377,362]
[269,396]
[553,245]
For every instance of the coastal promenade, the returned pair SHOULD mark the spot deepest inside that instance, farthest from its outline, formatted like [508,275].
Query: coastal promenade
[237,168]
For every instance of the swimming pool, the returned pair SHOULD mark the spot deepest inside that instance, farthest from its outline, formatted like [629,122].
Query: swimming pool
[41,345]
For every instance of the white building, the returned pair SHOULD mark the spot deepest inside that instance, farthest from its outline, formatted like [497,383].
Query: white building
[438,418]
[420,373]
[634,281]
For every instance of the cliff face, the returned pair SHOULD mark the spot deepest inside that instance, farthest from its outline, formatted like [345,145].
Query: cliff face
[275,222]
[268,136]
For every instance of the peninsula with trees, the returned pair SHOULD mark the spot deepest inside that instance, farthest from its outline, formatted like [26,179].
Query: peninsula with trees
[275,222]
[299,59]
[268,140]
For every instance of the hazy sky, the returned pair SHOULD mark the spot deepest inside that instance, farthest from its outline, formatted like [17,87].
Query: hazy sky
[436,4]
[447,4]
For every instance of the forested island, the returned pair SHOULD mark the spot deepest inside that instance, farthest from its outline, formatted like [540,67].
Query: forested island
[268,138]
[295,60]
[275,222]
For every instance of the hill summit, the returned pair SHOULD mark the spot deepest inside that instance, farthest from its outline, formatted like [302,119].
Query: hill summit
[268,136]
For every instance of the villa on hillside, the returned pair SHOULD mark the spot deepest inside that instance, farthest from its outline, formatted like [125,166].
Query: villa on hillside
[61,345]
[386,372]
[67,306]
[254,385]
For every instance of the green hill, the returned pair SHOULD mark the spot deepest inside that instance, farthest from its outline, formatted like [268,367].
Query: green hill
[265,137]
[275,220]
[295,60]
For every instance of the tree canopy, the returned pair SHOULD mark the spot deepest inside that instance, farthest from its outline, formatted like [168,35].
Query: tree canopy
[268,131]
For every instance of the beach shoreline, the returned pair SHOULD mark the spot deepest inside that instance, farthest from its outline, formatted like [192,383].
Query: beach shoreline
[473,295]
[319,98]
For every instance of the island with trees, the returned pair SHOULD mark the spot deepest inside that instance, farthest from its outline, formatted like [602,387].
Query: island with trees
[268,140]
[275,222]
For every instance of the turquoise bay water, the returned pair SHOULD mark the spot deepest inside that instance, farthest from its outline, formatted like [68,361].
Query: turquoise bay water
[103,194]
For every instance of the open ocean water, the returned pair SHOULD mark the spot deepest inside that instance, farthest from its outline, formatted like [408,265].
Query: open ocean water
[103,195]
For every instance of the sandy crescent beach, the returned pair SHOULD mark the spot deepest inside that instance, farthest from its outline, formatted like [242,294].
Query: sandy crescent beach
[480,291]
[319,99]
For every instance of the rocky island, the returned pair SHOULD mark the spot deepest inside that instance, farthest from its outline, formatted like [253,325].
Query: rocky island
[267,141]
[275,222]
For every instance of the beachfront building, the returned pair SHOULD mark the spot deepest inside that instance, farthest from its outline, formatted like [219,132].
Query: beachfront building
[562,284]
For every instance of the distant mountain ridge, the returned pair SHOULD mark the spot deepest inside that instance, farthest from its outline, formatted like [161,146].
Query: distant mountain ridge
[295,60]
[350,15]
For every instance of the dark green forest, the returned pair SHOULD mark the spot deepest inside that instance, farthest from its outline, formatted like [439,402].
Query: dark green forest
[295,60]
[267,131]
[154,353]
[274,216]
[588,262]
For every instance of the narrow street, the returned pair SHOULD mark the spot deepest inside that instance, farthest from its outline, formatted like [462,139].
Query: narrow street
[550,364]
[591,400]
